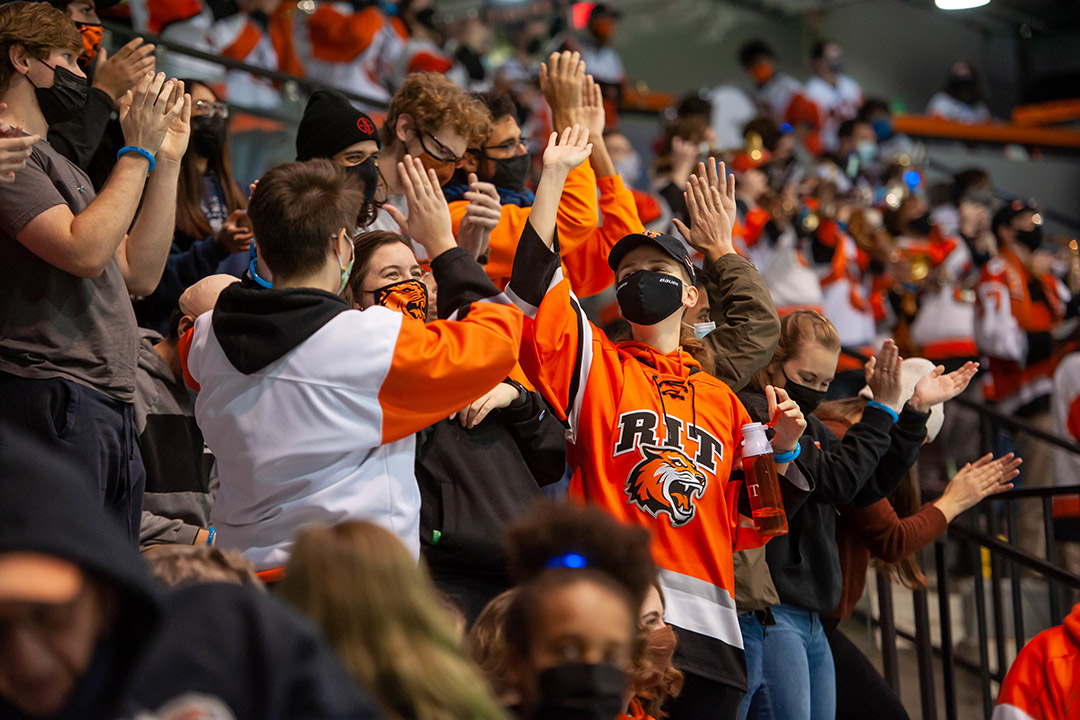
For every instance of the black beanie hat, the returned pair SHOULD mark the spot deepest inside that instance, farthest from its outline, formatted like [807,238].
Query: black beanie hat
[330,124]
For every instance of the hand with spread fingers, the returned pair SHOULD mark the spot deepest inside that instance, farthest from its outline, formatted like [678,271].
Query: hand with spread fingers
[482,215]
[115,75]
[560,82]
[428,222]
[147,112]
[937,386]
[786,418]
[565,152]
[711,222]
[976,481]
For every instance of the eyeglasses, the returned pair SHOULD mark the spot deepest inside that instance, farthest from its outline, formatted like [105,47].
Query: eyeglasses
[211,108]
[510,146]
[441,153]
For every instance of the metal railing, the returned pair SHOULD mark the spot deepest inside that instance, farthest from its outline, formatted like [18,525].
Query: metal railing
[990,528]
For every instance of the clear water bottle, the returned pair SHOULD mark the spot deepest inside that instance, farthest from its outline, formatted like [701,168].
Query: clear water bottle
[762,482]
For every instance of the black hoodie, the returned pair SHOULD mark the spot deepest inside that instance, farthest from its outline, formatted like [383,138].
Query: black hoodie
[230,643]
[45,508]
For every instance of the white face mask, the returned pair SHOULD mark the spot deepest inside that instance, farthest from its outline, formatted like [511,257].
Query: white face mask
[629,168]
[703,329]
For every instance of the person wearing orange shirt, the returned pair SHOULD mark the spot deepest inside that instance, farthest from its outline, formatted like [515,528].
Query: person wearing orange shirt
[1041,684]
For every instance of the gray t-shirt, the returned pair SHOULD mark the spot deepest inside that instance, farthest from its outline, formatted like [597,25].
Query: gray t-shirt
[52,323]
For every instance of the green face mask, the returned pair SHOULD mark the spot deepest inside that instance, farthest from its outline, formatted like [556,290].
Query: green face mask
[346,270]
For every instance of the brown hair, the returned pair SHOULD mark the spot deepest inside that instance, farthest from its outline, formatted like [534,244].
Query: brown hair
[364,245]
[487,647]
[797,329]
[671,684]
[906,500]
[40,28]
[380,612]
[434,100]
[296,211]
[178,565]
[190,219]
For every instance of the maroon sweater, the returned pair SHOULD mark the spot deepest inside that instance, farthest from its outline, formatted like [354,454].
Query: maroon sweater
[876,530]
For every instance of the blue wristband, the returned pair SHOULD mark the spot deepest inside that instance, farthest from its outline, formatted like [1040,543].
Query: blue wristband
[886,408]
[783,458]
[140,151]
[210,537]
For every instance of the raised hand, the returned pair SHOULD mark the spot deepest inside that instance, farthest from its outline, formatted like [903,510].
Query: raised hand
[235,234]
[683,156]
[591,113]
[501,396]
[566,152]
[146,114]
[711,227]
[937,387]
[724,183]
[786,419]
[883,375]
[560,82]
[428,222]
[976,481]
[117,74]
[176,139]
[482,215]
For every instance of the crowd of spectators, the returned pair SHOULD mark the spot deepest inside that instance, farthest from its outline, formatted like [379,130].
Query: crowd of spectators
[328,407]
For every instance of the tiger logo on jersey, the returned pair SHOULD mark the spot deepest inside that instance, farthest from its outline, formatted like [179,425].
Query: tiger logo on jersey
[666,481]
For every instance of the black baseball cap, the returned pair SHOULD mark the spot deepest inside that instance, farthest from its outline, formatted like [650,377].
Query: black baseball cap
[666,243]
[1005,215]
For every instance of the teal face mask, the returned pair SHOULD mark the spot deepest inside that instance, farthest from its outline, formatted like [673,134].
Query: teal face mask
[346,270]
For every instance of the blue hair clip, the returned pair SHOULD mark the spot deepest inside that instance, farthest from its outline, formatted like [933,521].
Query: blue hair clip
[574,561]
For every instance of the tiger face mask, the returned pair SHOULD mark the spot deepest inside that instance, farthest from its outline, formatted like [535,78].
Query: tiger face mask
[408,297]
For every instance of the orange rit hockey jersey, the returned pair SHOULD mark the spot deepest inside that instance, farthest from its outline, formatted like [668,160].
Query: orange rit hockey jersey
[652,440]
[1044,680]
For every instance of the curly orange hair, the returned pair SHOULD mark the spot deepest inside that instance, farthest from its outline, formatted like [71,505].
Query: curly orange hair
[433,100]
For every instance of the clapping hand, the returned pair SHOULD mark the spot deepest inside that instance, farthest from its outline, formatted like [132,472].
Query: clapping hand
[482,215]
[937,387]
[883,375]
[147,112]
[976,481]
[117,74]
[14,150]
[428,222]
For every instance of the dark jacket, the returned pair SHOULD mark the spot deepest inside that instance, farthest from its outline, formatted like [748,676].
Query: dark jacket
[473,483]
[860,469]
[747,326]
[189,261]
[230,644]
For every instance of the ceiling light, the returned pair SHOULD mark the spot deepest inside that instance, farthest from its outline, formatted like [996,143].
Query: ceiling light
[960,4]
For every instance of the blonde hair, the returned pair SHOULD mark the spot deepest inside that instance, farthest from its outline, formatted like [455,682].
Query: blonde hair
[796,330]
[381,613]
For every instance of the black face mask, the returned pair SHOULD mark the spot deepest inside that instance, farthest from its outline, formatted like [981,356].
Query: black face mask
[921,225]
[368,173]
[1031,239]
[578,691]
[511,173]
[426,18]
[65,98]
[208,136]
[806,398]
[534,46]
[647,297]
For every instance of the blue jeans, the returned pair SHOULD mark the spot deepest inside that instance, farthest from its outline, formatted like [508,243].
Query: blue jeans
[797,668]
[753,637]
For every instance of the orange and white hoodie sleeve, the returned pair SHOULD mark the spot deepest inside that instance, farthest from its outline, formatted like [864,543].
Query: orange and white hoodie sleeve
[578,215]
[587,266]
[557,346]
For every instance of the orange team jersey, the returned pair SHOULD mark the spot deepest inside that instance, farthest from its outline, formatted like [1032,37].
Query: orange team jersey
[586,267]
[1042,683]
[652,440]
[577,219]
